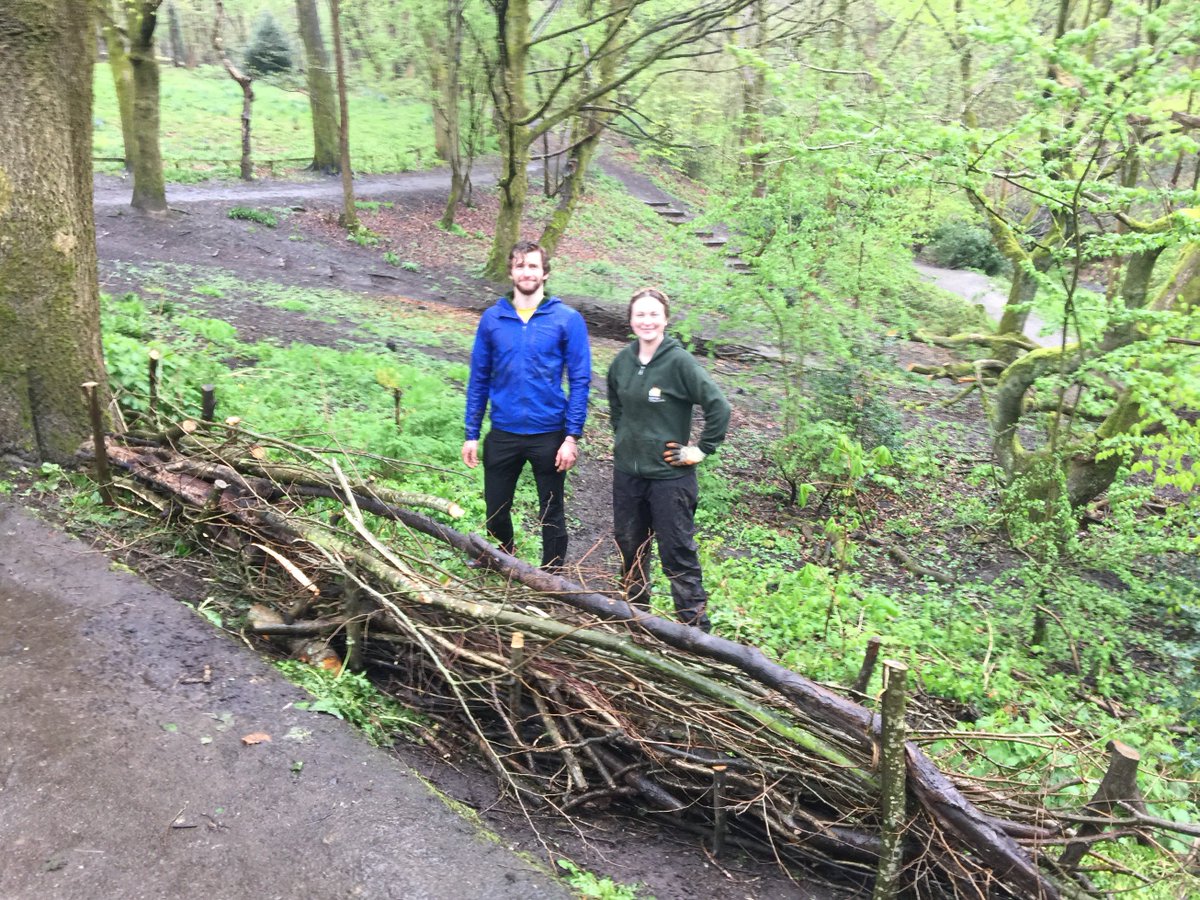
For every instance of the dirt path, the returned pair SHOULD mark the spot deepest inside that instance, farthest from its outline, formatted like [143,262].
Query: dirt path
[124,772]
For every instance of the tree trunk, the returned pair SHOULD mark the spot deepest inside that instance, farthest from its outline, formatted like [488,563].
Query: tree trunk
[175,33]
[321,98]
[122,73]
[149,189]
[49,300]
[513,39]
[244,81]
[590,126]
[754,94]
[445,107]
[349,217]
[571,190]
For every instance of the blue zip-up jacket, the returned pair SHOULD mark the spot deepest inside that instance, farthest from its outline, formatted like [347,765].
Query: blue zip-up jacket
[518,367]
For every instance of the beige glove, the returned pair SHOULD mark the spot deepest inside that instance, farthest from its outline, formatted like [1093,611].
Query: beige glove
[677,454]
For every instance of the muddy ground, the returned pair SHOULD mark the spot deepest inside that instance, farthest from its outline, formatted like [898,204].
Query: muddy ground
[139,648]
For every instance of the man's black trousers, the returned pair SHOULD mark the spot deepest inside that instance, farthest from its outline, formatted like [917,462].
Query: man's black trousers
[665,509]
[504,456]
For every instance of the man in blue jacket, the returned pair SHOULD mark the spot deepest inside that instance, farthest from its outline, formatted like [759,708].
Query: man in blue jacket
[524,345]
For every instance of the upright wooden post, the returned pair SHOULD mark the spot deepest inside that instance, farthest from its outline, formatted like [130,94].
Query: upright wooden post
[893,769]
[516,662]
[155,356]
[102,477]
[352,610]
[208,404]
[868,664]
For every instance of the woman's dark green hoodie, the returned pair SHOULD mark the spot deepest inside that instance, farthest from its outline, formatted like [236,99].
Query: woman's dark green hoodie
[652,404]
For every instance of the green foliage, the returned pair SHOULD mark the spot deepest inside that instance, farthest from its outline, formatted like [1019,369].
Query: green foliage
[270,51]
[589,884]
[260,216]
[350,696]
[363,236]
[961,245]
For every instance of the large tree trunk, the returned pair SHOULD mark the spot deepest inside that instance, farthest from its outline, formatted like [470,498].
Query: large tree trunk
[349,217]
[511,109]
[122,73]
[49,306]
[149,190]
[321,97]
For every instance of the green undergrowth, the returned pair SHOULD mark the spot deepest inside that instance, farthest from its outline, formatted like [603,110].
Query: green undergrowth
[352,697]
[201,126]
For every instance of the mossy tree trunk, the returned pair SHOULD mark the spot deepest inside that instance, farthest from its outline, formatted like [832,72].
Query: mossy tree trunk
[349,216]
[1089,470]
[321,98]
[512,33]
[447,83]
[149,189]
[588,126]
[49,301]
[122,73]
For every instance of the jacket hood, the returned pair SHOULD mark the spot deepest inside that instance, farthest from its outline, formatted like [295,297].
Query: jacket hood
[668,347]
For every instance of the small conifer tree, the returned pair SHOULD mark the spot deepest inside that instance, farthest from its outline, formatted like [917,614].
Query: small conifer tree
[270,50]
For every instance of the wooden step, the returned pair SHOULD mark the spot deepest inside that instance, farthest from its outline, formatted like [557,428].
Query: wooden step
[658,202]
[714,242]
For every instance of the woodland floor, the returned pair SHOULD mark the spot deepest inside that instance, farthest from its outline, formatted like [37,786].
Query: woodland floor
[198,232]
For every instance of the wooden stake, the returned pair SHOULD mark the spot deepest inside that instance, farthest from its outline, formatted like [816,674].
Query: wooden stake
[516,660]
[102,476]
[155,356]
[352,607]
[718,837]
[893,769]
[868,664]
[208,405]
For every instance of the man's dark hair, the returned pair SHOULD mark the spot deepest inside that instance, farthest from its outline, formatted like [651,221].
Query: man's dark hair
[521,248]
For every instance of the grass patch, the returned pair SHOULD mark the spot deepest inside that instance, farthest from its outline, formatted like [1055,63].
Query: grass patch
[201,126]
[262,217]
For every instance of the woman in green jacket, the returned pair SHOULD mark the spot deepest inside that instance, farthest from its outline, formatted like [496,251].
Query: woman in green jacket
[653,384]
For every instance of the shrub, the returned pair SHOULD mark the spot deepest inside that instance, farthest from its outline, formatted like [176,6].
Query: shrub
[270,50]
[961,245]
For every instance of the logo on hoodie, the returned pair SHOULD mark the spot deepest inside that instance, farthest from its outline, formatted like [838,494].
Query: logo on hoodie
[655,395]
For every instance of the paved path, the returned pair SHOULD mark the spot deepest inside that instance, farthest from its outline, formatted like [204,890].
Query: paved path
[122,774]
[977,288]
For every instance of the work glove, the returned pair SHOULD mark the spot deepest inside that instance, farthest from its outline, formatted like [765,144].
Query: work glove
[677,454]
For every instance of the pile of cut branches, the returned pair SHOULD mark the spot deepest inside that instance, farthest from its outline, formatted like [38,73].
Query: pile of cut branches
[578,701]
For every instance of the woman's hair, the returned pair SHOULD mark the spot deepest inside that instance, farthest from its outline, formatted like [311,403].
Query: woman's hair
[660,296]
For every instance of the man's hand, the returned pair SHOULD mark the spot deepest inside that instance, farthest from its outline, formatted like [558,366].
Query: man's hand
[470,453]
[677,454]
[568,452]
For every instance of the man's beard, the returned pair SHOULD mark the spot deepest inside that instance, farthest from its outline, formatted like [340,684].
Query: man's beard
[517,288]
